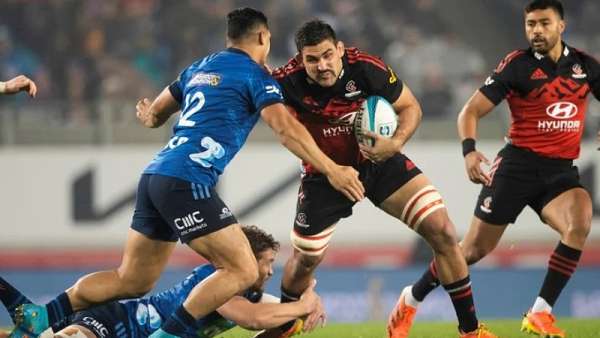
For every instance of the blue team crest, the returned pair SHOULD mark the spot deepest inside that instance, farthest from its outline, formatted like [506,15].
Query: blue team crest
[148,315]
[210,79]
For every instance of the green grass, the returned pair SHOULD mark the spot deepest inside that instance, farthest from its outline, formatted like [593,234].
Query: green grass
[503,328]
[576,328]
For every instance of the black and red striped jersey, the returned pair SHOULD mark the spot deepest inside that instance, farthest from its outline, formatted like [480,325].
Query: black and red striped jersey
[547,100]
[328,113]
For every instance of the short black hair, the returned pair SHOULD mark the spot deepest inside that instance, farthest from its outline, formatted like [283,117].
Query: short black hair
[260,241]
[242,21]
[545,4]
[313,33]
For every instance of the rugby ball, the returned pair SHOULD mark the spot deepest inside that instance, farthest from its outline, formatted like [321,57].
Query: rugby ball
[377,116]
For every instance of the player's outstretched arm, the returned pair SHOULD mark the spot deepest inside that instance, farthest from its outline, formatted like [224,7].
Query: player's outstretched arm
[294,136]
[258,316]
[154,114]
[476,107]
[17,84]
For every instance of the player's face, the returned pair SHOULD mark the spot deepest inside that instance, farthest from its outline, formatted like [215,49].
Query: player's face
[265,269]
[543,28]
[323,62]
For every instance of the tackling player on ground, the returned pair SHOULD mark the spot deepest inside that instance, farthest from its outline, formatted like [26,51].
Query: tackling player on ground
[221,98]
[546,87]
[324,86]
[138,318]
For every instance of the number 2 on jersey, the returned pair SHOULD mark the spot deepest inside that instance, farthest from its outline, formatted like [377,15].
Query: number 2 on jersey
[193,104]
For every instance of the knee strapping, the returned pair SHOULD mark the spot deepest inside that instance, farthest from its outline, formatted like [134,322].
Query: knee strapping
[313,245]
[422,204]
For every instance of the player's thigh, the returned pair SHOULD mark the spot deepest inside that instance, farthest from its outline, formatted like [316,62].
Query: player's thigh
[226,248]
[570,209]
[318,209]
[143,259]
[481,238]
[75,331]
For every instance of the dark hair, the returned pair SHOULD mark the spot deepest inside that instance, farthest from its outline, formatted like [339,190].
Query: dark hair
[259,239]
[314,32]
[545,4]
[242,21]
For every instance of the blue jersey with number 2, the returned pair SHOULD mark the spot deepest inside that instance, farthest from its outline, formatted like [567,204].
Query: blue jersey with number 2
[221,97]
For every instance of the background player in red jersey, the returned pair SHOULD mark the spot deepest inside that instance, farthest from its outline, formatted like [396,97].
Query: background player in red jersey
[18,84]
[324,86]
[546,87]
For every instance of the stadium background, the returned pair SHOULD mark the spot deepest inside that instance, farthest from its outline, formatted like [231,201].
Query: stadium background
[70,159]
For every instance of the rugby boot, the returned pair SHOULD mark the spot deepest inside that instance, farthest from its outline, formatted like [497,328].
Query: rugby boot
[401,318]
[32,318]
[481,332]
[541,324]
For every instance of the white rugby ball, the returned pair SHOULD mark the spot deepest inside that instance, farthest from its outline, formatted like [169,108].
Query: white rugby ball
[377,116]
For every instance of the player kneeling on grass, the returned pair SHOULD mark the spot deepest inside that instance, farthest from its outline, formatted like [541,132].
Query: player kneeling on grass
[137,318]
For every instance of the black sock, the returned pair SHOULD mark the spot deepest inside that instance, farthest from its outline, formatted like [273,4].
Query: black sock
[287,297]
[11,297]
[561,266]
[462,299]
[427,283]
[59,308]
[181,323]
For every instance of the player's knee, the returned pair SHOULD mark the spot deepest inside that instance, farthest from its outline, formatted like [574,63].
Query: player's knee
[473,254]
[248,276]
[580,223]
[441,235]
[580,230]
[134,287]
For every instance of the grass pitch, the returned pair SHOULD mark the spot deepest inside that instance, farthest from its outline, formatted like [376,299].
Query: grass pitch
[576,328]
[503,328]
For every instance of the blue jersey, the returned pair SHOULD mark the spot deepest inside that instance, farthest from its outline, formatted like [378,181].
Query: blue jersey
[147,315]
[221,97]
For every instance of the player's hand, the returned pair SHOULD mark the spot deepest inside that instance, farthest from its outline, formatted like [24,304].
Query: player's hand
[473,165]
[345,180]
[20,83]
[317,318]
[384,147]
[143,112]
[314,307]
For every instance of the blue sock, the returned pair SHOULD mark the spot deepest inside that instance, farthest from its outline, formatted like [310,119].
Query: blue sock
[11,297]
[180,323]
[59,308]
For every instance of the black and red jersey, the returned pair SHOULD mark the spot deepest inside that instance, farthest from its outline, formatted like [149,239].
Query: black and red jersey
[328,113]
[547,100]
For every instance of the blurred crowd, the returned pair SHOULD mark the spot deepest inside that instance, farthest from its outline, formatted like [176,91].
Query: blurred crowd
[83,52]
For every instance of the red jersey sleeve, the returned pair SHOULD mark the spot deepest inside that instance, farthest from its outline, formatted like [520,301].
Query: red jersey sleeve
[499,84]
